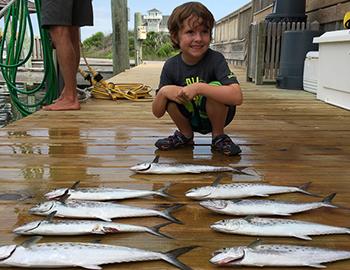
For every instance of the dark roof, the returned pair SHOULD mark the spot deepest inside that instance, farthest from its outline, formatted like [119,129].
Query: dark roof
[154,9]
[3,3]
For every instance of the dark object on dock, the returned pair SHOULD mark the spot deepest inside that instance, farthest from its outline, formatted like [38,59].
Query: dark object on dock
[295,45]
[288,11]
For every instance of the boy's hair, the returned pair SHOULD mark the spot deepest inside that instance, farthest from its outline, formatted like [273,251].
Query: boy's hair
[184,11]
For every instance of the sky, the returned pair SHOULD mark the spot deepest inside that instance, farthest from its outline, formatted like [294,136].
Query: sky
[103,21]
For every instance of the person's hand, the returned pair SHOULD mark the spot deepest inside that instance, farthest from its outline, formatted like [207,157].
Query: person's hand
[174,93]
[190,91]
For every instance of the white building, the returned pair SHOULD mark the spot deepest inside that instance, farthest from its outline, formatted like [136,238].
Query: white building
[155,21]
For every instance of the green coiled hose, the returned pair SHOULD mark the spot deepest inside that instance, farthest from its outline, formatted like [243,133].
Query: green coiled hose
[16,23]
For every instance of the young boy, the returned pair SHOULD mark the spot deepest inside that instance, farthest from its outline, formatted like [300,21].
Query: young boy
[196,87]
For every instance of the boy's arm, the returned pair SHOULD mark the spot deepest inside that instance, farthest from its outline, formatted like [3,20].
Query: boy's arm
[166,93]
[226,94]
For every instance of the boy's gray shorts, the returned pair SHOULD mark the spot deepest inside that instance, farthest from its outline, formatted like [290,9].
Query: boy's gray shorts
[66,12]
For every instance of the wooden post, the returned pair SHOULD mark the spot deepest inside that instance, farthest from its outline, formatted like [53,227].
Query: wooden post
[120,39]
[260,54]
[138,42]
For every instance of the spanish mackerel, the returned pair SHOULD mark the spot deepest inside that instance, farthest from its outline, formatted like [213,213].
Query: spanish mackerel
[177,168]
[100,210]
[276,227]
[81,227]
[89,256]
[241,190]
[260,255]
[264,207]
[104,194]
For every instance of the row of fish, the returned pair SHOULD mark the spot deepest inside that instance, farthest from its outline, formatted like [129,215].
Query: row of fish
[230,199]
[259,255]
[226,199]
[86,255]
[155,167]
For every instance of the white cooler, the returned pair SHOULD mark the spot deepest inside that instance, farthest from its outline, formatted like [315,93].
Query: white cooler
[310,77]
[334,68]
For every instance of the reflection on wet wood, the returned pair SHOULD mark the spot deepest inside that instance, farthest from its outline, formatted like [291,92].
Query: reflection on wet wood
[287,136]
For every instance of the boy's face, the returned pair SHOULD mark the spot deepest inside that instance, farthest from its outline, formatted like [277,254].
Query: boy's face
[193,39]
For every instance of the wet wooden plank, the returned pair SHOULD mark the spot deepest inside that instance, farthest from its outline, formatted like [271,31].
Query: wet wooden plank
[288,136]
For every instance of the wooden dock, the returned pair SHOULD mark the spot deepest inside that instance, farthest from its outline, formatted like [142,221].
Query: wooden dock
[288,136]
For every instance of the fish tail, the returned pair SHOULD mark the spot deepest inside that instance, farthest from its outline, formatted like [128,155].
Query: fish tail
[304,189]
[155,230]
[167,213]
[163,192]
[171,257]
[328,200]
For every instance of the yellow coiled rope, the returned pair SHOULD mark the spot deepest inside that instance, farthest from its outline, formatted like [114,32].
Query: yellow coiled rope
[107,90]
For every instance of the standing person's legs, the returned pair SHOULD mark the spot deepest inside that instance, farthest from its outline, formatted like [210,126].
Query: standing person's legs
[67,43]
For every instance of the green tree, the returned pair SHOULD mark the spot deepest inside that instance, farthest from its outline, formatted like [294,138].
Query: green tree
[95,41]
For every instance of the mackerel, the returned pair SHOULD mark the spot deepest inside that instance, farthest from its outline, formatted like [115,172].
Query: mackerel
[264,207]
[85,255]
[104,194]
[241,190]
[275,227]
[178,168]
[100,210]
[260,255]
[82,227]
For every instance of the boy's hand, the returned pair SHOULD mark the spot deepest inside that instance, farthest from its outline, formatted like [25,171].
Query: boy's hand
[174,93]
[190,91]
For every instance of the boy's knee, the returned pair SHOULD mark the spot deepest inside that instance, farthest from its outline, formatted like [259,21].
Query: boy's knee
[210,103]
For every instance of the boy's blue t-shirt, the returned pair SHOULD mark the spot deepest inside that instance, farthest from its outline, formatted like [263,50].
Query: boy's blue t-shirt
[212,67]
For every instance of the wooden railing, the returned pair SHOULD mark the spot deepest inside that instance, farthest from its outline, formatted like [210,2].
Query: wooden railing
[265,48]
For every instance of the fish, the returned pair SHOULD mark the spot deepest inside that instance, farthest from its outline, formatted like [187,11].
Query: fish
[259,255]
[241,190]
[180,168]
[104,194]
[81,227]
[248,207]
[100,210]
[85,255]
[257,226]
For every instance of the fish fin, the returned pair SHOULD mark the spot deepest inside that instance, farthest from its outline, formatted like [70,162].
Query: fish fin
[75,185]
[156,159]
[109,230]
[303,237]
[90,266]
[316,265]
[217,180]
[103,218]
[163,192]
[167,213]
[254,244]
[249,218]
[304,187]
[155,230]
[328,200]
[240,170]
[50,217]
[261,195]
[281,214]
[64,196]
[31,241]
[171,257]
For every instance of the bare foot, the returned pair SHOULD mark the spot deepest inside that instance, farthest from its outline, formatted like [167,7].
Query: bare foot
[62,105]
